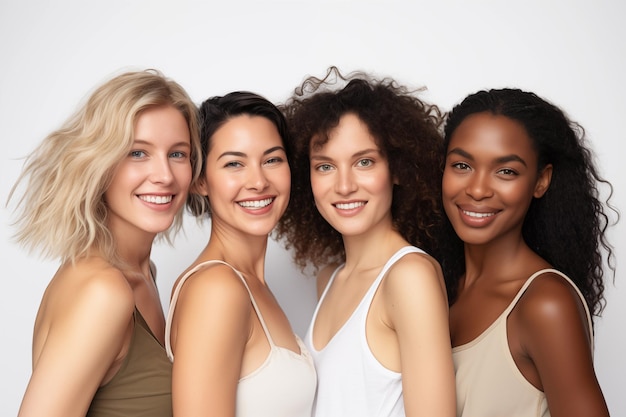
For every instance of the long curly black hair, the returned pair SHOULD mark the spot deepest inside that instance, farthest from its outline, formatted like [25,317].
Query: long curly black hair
[567,226]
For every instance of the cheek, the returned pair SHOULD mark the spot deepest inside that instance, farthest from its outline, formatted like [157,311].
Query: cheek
[283,179]
[220,187]
[377,183]
[318,185]
[127,176]
[448,186]
[183,174]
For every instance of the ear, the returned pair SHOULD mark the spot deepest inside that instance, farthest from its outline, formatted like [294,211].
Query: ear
[543,182]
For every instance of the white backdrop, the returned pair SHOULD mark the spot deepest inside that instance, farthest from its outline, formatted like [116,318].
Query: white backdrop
[53,53]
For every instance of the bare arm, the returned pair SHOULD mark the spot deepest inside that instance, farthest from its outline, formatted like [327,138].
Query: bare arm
[212,326]
[87,326]
[417,306]
[553,333]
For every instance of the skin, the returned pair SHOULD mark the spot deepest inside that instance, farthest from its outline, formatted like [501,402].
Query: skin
[85,322]
[491,168]
[406,326]
[216,336]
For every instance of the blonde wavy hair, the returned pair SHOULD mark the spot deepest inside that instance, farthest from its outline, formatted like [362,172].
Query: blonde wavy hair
[62,210]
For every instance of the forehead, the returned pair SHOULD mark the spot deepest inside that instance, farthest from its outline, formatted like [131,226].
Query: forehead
[245,131]
[492,134]
[350,134]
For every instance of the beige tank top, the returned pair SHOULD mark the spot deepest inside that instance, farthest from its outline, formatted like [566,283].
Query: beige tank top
[488,383]
[283,386]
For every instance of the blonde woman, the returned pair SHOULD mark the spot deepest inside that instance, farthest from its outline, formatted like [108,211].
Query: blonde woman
[96,192]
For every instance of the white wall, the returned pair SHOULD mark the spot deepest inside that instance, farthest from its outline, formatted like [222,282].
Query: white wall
[53,53]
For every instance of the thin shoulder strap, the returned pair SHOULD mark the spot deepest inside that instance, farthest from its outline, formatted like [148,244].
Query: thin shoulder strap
[554,271]
[390,262]
[396,256]
[174,300]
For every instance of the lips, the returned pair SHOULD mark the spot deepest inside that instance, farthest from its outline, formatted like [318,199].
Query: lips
[349,206]
[156,199]
[478,215]
[256,204]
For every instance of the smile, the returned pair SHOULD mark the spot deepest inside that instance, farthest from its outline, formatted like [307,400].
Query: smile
[156,199]
[478,215]
[256,204]
[349,206]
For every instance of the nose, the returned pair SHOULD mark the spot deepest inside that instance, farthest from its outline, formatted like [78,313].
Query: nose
[162,171]
[478,186]
[345,183]
[256,179]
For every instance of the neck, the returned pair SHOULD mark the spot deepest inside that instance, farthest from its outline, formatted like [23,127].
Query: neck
[134,251]
[244,253]
[499,260]
[372,249]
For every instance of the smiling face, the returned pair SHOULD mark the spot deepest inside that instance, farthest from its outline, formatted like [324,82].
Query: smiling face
[247,178]
[350,179]
[150,185]
[490,178]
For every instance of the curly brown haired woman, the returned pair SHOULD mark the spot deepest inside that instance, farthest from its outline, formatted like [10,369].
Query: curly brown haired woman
[366,163]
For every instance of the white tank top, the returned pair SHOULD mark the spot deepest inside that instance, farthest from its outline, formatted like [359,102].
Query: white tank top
[351,381]
[488,382]
[283,386]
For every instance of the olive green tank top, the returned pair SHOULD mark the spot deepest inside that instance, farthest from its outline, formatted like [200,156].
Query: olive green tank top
[143,385]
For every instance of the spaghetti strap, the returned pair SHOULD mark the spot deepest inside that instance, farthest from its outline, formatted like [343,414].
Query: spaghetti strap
[554,271]
[367,297]
[179,285]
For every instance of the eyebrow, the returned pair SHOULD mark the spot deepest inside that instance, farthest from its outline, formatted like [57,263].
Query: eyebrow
[500,160]
[148,143]
[243,154]
[322,157]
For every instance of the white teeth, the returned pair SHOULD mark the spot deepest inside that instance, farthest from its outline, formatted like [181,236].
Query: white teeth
[257,204]
[478,215]
[156,199]
[349,206]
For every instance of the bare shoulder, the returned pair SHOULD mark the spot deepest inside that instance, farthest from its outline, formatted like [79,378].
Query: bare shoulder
[550,302]
[93,284]
[219,283]
[415,269]
[549,296]
[86,308]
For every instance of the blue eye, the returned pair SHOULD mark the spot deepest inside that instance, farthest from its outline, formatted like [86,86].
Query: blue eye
[136,154]
[365,163]
[178,154]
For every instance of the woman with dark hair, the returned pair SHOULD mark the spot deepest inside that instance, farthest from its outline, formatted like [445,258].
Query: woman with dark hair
[233,350]
[366,157]
[520,191]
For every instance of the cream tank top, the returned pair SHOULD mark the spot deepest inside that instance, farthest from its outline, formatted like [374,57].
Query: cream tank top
[488,383]
[283,386]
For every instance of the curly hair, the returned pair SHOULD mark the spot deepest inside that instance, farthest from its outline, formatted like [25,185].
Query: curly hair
[406,130]
[567,226]
[63,211]
[214,113]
